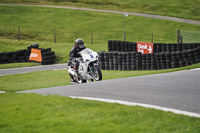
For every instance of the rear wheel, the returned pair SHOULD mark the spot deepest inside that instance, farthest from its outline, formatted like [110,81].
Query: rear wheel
[79,80]
[84,81]
[97,73]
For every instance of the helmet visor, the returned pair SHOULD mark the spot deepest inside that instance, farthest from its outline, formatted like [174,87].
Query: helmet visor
[81,45]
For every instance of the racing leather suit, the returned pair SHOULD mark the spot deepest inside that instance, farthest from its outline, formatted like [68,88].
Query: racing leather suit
[74,54]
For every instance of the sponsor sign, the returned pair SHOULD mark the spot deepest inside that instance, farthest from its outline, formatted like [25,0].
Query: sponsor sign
[145,48]
[35,55]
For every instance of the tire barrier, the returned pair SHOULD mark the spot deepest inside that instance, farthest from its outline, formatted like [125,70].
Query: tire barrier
[162,60]
[124,46]
[48,56]
[173,47]
[14,56]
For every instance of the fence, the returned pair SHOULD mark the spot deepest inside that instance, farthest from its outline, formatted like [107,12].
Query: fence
[190,36]
[62,36]
[91,37]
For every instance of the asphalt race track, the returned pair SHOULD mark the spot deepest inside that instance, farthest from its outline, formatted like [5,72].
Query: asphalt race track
[175,90]
[11,71]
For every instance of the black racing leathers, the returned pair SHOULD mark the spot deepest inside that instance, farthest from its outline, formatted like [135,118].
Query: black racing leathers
[74,54]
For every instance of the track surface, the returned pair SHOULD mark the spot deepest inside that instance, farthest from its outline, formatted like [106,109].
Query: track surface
[32,69]
[176,90]
[118,12]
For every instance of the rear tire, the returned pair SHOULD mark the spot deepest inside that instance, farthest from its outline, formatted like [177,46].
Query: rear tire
[84,81]
[79,80]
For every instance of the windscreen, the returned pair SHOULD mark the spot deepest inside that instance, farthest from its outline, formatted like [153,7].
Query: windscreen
[86,51]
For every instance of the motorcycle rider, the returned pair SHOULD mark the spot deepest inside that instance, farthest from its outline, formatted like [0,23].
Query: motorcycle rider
[78,46]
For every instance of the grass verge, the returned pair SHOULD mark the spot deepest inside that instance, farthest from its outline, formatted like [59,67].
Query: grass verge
[21,113]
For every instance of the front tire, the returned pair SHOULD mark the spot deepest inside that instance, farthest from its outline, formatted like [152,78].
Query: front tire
[97,73]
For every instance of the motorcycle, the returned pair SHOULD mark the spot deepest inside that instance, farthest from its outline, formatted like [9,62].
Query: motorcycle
[88,68]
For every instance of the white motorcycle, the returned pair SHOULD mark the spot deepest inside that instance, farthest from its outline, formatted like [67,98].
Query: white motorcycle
[88,69]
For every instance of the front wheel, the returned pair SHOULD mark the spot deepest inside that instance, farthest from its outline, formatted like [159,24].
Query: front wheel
[97,73]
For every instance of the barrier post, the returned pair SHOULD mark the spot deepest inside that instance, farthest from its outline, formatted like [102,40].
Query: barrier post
[124,36]
[55,36]
[9,31]
[124,25]
[178,36]
[91,37]
[18,35]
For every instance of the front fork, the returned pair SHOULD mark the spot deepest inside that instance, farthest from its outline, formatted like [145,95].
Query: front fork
[91,69]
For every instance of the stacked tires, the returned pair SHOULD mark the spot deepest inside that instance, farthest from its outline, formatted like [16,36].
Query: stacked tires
[123,56]
[48,56]
[121,46]
[173,47]
[101,60]
[14,56]
[124,46]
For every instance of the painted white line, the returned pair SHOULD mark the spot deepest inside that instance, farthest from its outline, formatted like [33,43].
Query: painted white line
[195,69]
[142,105]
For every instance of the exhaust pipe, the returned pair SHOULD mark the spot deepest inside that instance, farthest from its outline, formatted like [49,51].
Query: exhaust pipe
[71,72]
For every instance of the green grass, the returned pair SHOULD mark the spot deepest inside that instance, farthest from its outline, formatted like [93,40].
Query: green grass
[22,113]
[44,79]
[177,8]
[39,23]
[34,80]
